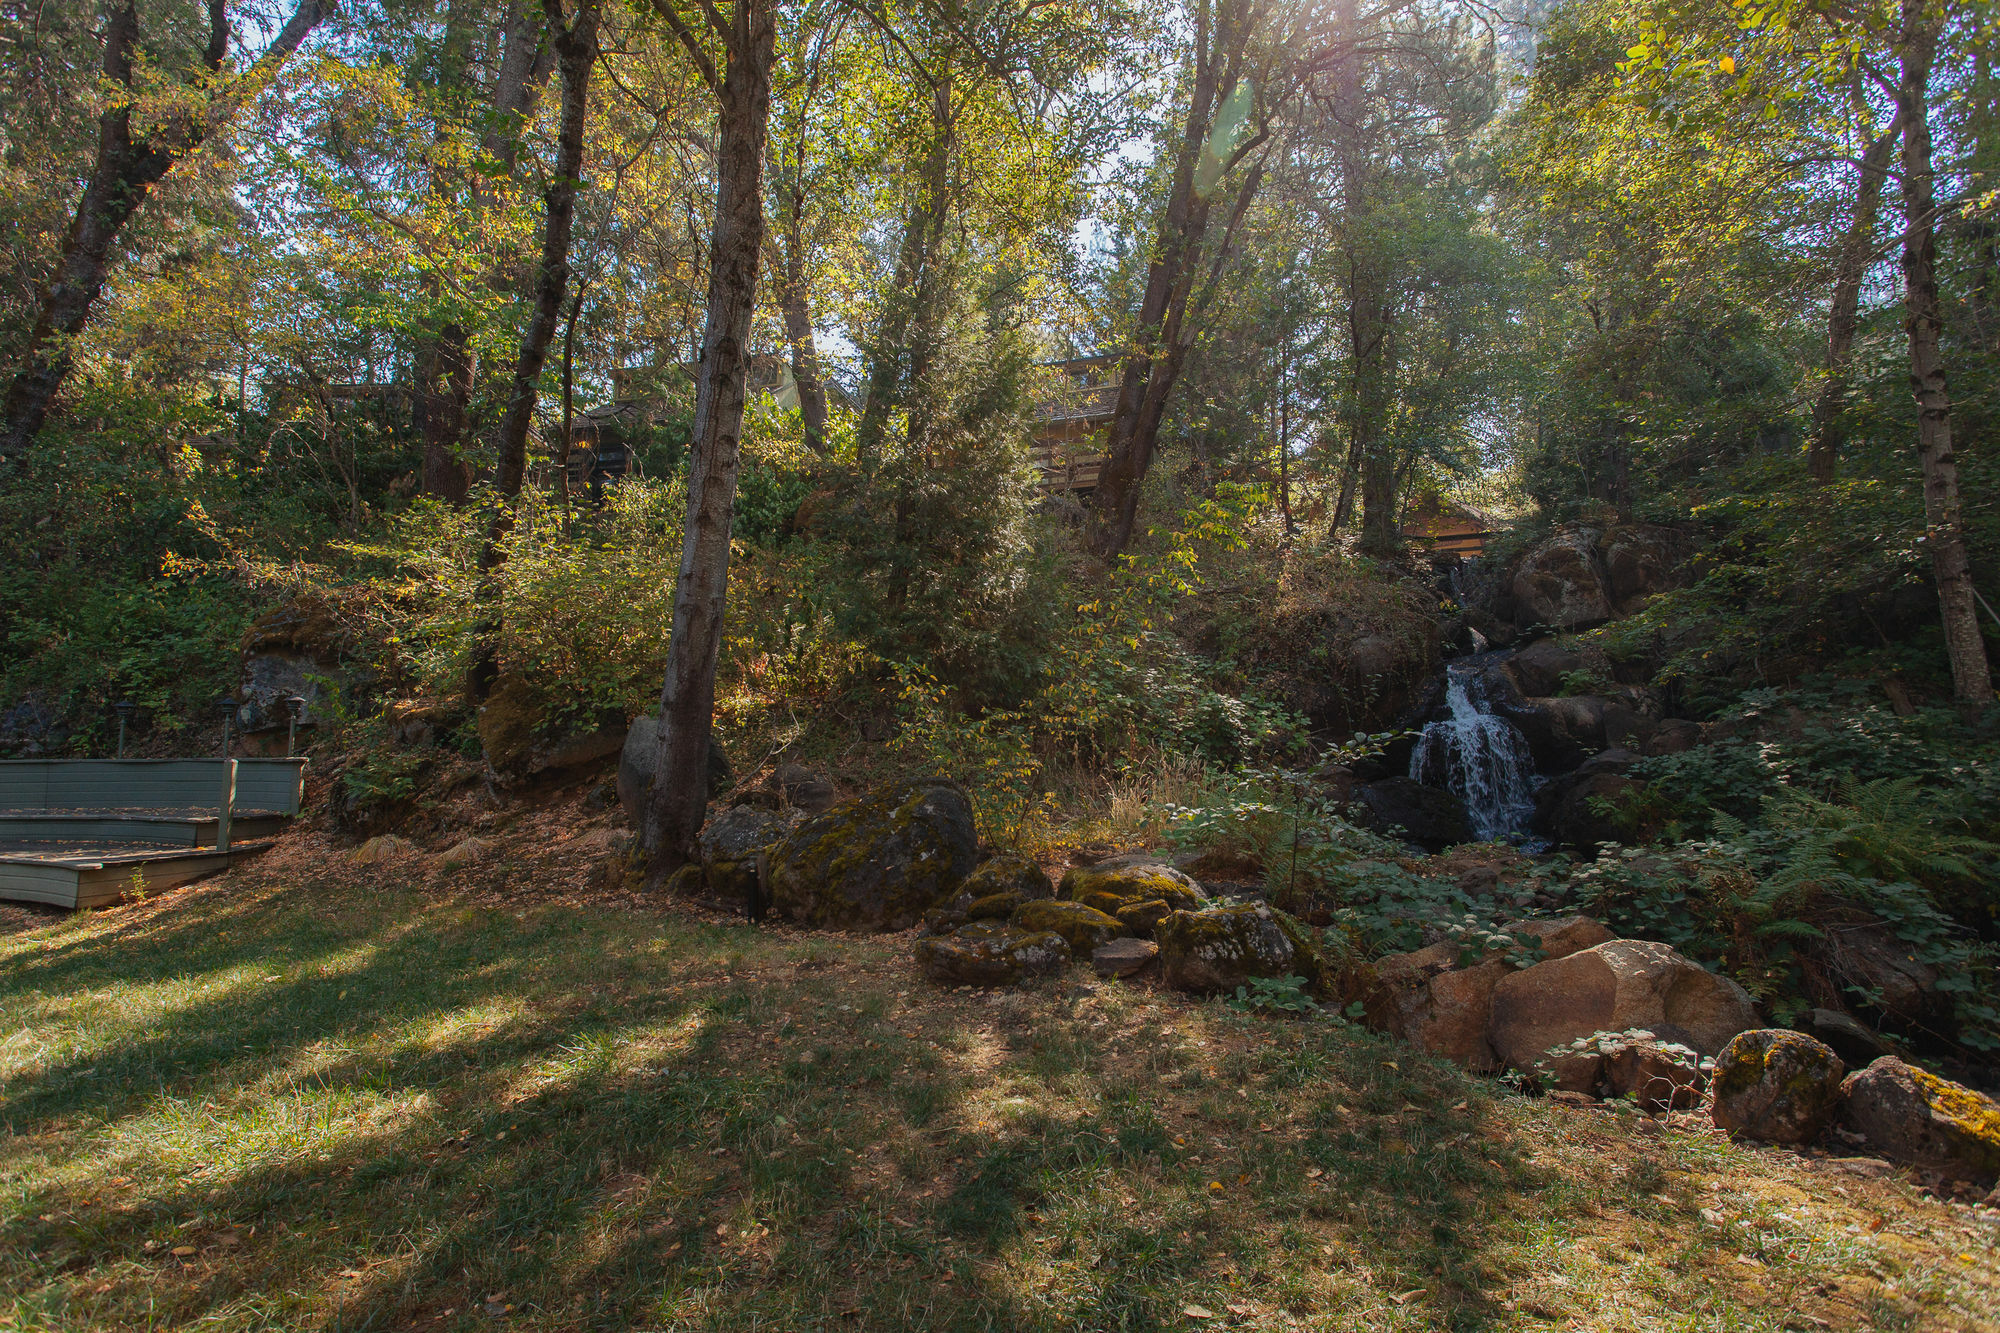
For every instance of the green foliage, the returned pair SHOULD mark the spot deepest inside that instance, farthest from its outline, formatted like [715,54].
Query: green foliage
[1274,995]
[382,776]
[1754,902]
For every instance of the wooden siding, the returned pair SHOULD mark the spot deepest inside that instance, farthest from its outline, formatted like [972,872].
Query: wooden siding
[275,786]
[174,830]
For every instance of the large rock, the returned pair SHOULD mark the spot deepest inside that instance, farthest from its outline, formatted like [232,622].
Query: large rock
[521,741]
[1085,928]
[1658,1075]
[290,651]
[1001,956]
[876,863]
[1538,669]
[1618,986]
[1596,803]
[1429,1000]
[1640,560]
[731,844]
[1352,655]
[638,761]
[1112,888]
[1884,972]
[1776,1085]
[999,886]
[1564,730]
[1558,582]
[1429,816]
[1217,949]
[1910,1115]
[1122,958]
[803,789]
[1857,1044]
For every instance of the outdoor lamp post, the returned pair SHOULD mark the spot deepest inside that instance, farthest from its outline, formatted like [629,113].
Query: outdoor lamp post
[295,706]
[123,708]
[227,704]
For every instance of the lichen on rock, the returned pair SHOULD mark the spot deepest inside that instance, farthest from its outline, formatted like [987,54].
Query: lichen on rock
[1107,888]
[1217,949]
[878,862]
[1776,1085]
[989,954]
[1911,1115]
[1085,928]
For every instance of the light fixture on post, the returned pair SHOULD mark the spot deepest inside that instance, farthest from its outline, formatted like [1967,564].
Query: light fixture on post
[124,708]
[295,708]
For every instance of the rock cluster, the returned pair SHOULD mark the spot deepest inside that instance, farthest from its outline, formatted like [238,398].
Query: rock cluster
[1629,1015]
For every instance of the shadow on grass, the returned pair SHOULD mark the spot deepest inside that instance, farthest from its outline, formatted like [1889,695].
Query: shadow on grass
[436,1117]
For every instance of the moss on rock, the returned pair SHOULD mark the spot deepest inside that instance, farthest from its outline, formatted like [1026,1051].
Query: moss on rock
[1083,927]
[878,862]
[1143,919]
[988,954]
[996,888]
[1118,885]
[1220,948]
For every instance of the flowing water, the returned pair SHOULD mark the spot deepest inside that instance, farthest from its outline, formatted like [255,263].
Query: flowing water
[1480,756]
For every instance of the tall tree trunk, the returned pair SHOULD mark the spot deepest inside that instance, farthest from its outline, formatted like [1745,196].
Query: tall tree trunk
[678,801]
[1844,315]
[576,55]
[443,390]
[1158,347]
[891,374]
[125,171]
[1350,480]
[1370,332]
[1924,319]
[444,361]
[794,306]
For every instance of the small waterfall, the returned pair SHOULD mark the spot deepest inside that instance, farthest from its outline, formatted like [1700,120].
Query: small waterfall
[1478,755]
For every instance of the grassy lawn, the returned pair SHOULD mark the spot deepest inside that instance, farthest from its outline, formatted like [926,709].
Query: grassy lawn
[307,1096]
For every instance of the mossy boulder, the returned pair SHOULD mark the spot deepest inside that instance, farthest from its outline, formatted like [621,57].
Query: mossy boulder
[731,844]
[996,888]
[988,954]
[1911,1115]
[1776,1085]
[1143,919]
[876,863]
[1108,888]
[1083,927]
[1217,949]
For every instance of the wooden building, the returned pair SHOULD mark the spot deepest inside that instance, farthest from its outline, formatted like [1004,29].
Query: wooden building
[1432,522]
[1070,424]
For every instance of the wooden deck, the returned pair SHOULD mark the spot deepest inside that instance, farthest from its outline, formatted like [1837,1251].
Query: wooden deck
[81,874]
[82,833]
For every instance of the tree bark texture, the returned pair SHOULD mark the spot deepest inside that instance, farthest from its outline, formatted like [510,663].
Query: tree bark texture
[444,361]
[576,56]
[678,802]
[1844,314]
[796,309]
[892,372]
[1153,364]
[125,171]
[1370,313]
[1924,320]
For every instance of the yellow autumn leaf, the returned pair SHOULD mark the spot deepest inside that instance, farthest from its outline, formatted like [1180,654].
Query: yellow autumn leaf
[1729,64]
